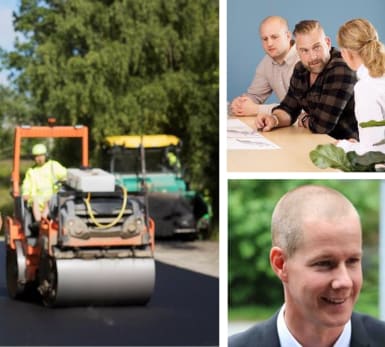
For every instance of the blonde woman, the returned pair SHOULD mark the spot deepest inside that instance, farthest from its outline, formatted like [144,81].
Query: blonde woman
[364,53]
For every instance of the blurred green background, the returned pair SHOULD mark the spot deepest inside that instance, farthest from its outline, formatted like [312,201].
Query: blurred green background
[255,293]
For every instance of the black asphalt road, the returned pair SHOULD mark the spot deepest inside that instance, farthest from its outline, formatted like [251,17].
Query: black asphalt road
[184,310]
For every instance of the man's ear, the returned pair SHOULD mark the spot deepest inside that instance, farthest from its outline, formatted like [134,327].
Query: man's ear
[278,263]
[328,41]
[289,35]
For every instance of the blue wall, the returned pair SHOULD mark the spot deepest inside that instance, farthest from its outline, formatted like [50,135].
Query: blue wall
[244,49]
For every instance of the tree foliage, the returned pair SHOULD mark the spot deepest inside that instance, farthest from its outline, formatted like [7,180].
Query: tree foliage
[251,203]
[125,67]
[14,108]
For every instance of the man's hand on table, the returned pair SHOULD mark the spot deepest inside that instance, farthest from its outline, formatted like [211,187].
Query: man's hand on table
[303,120]
[243,106]
[266,122]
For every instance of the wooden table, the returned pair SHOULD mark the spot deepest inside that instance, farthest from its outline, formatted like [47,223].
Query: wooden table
[293,156]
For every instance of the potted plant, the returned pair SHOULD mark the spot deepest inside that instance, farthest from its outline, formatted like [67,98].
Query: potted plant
[329,155]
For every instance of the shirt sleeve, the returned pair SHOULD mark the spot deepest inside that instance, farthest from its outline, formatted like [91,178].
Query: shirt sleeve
[26,187]
[260,89]
[291,104]
[369,106]
[327,103]
[267,108]
[60,171]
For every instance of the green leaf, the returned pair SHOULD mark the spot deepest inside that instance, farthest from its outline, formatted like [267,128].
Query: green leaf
[325,156]
[379,143]
[367,161]
[372,123]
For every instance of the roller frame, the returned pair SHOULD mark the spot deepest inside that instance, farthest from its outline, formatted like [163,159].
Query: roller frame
[68,279]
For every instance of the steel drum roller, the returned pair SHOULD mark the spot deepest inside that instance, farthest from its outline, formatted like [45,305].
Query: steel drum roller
[104,281]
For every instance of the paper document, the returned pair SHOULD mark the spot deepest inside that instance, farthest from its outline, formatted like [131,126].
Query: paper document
[241,136]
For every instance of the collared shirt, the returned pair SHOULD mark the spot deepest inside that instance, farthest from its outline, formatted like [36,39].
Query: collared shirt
[272,77]
[329,101]
[286,339]
[369,96]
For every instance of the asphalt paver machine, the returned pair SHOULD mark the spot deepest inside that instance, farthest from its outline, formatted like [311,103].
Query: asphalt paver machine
[95,247]
[176,209]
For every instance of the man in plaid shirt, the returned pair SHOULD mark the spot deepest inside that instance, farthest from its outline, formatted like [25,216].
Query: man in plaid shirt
[320,95]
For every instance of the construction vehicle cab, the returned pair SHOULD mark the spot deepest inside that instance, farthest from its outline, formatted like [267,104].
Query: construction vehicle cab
[174,207]
[96,246]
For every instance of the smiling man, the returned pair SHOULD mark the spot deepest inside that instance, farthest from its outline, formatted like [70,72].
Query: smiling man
[321,88]
[316,253]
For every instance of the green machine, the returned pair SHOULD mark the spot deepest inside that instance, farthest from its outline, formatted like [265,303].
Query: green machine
[152,163]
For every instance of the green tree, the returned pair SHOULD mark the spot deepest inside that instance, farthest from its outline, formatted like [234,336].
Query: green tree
[15,108]
[125,67]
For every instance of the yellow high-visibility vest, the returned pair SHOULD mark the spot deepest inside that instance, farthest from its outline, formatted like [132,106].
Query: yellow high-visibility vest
[40,181]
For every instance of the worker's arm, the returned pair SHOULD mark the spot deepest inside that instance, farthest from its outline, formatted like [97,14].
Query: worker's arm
[26,187]
[59,171]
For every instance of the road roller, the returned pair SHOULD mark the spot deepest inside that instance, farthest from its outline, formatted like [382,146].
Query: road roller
[96,247]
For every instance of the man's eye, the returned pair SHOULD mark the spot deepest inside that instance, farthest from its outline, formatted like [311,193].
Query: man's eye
[324,264]
[353,261]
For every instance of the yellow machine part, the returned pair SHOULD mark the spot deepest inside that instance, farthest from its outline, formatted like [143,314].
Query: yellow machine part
[149,141]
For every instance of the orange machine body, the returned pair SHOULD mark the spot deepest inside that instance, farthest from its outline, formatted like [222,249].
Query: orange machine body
[56,241]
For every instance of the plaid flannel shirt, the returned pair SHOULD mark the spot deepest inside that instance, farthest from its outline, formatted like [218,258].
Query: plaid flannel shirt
[329,102]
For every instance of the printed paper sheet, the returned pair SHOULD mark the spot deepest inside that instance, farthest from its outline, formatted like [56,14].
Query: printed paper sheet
[241,136]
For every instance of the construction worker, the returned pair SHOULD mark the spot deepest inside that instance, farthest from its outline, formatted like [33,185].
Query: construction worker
[173,161]
[40,182]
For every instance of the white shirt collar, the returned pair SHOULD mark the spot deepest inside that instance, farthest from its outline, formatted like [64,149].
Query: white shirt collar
[362,72]
[286,339]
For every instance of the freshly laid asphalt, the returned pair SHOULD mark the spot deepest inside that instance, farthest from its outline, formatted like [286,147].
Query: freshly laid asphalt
[183,311]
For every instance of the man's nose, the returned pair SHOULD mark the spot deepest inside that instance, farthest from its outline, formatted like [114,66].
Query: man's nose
[341,278]
[313,54]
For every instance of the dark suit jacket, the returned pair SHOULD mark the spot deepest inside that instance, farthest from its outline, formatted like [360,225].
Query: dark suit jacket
[366,332]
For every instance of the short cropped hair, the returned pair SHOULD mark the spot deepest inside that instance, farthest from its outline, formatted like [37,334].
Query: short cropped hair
[282,21]
[307,26]
[303,203]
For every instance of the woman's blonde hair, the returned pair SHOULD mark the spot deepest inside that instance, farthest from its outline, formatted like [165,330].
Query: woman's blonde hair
[359,35]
